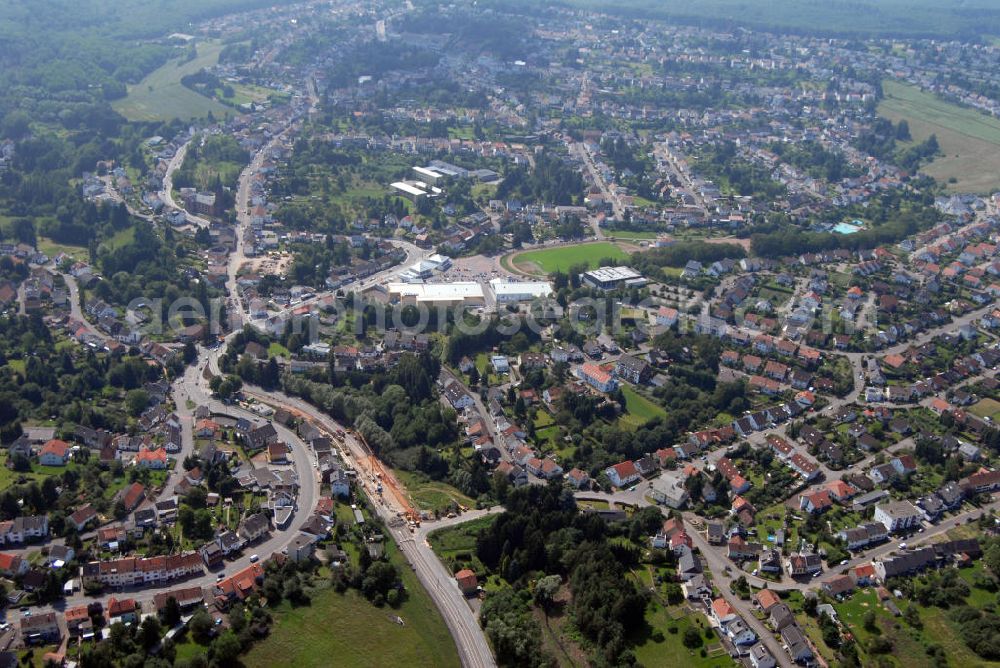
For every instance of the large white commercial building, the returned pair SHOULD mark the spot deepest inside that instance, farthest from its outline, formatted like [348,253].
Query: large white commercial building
[428,175]
[462,293]
[425,268]
[507,292]
[415,190]
[611,278]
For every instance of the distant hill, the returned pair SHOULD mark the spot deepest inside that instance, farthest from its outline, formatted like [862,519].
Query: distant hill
[965,19]
[63,56]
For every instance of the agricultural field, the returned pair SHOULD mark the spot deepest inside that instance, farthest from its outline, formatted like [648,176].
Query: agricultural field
[51,248]
[917,18]
[548,260]
[161,97]
[969,140]
[359,634]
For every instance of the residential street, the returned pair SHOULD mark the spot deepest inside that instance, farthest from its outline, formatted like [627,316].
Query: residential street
[167,193]
[438,582]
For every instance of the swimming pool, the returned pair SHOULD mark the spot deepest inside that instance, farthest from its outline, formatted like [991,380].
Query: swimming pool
[848,228]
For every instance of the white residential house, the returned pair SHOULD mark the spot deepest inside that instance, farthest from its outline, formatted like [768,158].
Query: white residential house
[897,515]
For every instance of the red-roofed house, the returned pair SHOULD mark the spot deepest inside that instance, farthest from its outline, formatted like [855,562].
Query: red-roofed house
[467,581]
[739,484]
[815,502]
[124,610]
[722,611]
[664,455]
[597,377]
[205,428]
[940,406]
[579,479]
[666,316]
[766,599]
[240,585]
[54,453]
[133,496]
[151,459]
[894,360]
[82,516]
[864,574]
[623,474]
[78,620]
[12,564]
[840,490]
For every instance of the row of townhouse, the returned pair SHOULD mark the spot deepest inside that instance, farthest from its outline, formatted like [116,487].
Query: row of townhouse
[24,528]
[766,418]
[132,571]
[796,461]
[961,551]
[782,620]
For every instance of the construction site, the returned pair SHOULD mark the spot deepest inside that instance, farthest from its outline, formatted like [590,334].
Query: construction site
[377,480]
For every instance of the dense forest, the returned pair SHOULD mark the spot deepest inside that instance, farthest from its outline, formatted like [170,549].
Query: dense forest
[810,157]
[723,165]
[552,181]
[678,254]
[374,59]
[893,216]
[62,58]
[542,541]
[882,142]
[41,379]
[397,412]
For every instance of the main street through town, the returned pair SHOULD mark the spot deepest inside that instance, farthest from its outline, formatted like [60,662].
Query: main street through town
[433,576]
[191,390]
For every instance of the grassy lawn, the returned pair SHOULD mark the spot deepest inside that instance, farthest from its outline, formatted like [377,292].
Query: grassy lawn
[485,368]
[547,435]
[987,408]
[35,656]
[161,97]
[670,651]
[51,248]
[187,648]
[457,544]
[429,494]
[909,643]
[639,407]
[547,260]
[969,140]
[346,630]
[10,477]
[543,419]
[629,234]
[277,350]
[245,93]
[120,239]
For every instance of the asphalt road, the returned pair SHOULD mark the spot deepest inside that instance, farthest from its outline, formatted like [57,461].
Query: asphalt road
[439,583]
[167,194]
[74,307]
[192,385]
